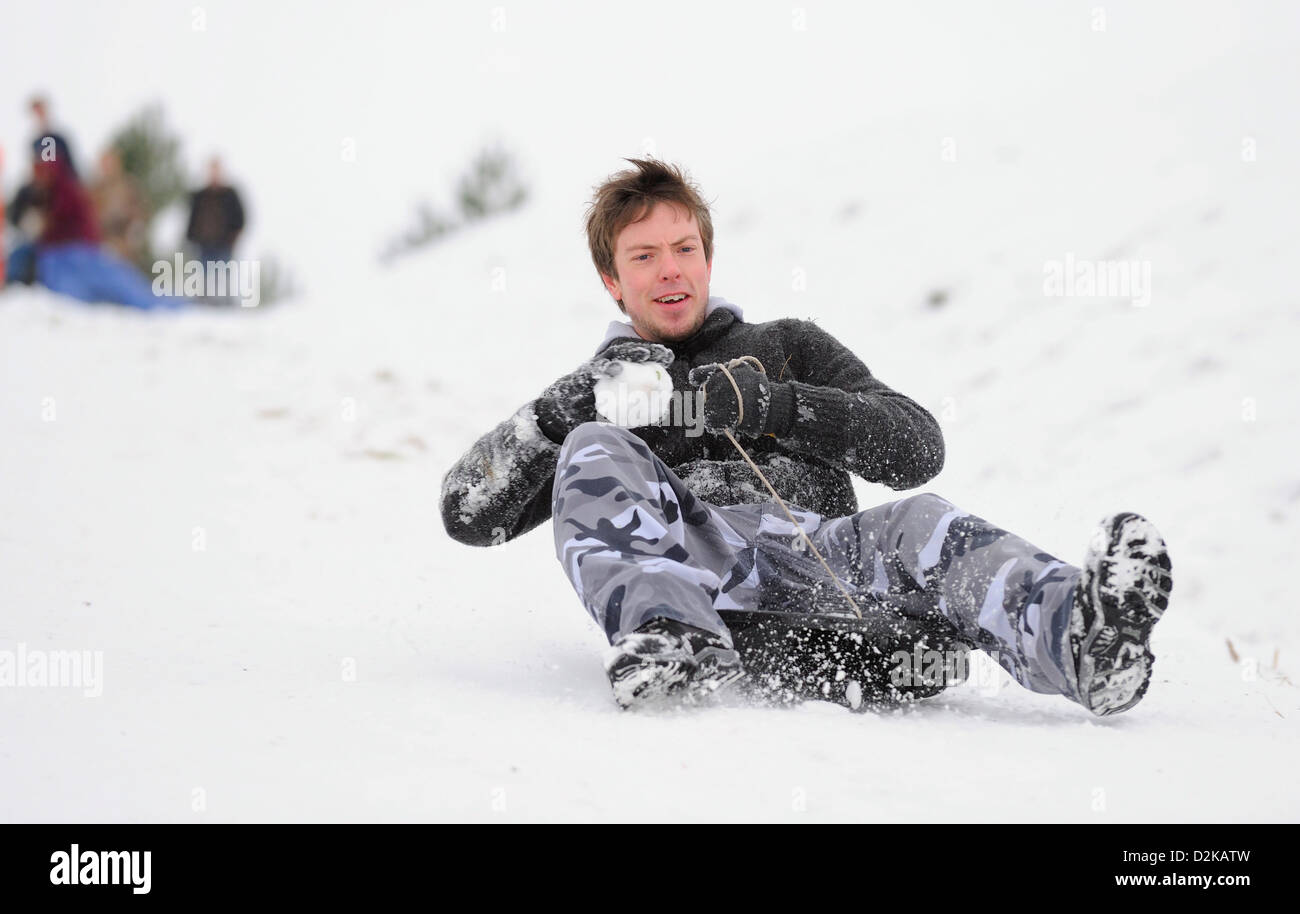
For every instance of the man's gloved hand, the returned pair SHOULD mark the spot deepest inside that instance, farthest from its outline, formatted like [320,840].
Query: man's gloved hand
[757,394]
[571,400]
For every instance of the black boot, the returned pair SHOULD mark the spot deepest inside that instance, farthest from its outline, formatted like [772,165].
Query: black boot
[667,658]
[1123,592]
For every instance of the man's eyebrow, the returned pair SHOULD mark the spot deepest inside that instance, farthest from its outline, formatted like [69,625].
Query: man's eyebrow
[638,247]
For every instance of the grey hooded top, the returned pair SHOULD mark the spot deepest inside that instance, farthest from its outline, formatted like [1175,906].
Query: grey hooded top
[838,420]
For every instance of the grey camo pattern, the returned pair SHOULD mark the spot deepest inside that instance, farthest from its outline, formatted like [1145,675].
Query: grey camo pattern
[637,544]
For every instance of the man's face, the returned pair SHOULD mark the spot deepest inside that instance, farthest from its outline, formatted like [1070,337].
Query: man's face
[662,256]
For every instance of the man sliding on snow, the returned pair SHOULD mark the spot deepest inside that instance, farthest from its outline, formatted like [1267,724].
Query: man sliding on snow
[659,527]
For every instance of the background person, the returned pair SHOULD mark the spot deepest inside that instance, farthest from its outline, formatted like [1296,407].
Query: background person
[122,212]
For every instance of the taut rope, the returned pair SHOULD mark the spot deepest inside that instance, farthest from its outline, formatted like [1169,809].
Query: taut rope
[740,403]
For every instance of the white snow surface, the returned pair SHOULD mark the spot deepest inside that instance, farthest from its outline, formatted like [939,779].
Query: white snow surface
[239,510]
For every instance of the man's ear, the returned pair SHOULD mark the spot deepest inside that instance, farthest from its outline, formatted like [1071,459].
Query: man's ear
[615,290]
[612,285]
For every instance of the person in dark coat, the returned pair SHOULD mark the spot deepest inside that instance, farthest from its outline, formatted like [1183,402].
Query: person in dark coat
[28,211]
[216,217]
[25,214]
[663,526]
[48,143]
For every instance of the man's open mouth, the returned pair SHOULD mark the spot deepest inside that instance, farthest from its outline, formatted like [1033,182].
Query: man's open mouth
[672,299]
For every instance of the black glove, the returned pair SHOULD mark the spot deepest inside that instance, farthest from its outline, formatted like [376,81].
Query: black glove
[768,405]
[571,400]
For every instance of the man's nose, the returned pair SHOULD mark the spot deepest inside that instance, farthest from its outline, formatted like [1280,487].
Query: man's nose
[670,269]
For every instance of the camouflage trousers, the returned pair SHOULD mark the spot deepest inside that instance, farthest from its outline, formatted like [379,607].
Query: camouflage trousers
[636,545]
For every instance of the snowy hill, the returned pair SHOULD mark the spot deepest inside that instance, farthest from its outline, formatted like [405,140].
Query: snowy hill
[239,510]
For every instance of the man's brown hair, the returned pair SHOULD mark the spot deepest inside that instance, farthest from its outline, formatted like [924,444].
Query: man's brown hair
[628,196]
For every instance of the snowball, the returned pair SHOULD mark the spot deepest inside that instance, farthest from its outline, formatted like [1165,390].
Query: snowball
[637,394]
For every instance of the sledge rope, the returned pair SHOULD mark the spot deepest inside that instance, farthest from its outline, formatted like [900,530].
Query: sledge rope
[740,402]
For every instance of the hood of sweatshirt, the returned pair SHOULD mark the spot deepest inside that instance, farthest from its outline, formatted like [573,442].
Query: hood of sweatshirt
[620,329]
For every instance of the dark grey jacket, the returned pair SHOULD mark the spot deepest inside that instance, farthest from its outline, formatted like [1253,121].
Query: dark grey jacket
[843,421]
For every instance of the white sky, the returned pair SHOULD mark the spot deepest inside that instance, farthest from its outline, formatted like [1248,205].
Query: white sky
[277,87]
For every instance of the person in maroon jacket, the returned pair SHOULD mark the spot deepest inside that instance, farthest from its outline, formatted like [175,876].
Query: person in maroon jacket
[68,214]
[68,256]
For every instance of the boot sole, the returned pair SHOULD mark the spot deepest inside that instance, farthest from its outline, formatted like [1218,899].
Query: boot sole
[1126,582]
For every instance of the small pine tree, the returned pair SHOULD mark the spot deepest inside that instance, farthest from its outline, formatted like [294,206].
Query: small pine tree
[277,282]
[491,185]
[151,155]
